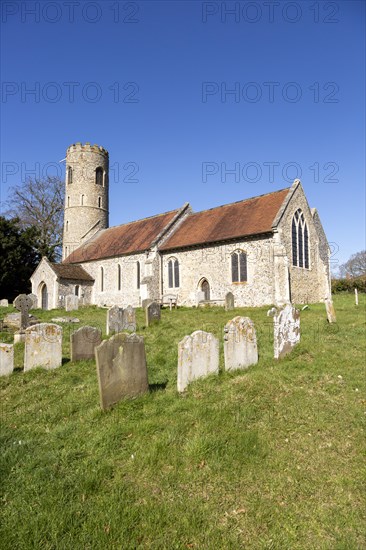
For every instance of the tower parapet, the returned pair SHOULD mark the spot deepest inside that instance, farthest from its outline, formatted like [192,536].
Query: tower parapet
[86,194]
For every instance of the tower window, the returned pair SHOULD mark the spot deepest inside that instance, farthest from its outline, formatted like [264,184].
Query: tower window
[99,176]
[67,226]
[138,275]
[300,240]
[239,272]
[173,273]
[69,175]
[68,201]
[82,200]
[99,202]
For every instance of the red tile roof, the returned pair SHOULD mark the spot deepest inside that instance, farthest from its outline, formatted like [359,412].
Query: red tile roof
[71,272]
[123,239]
[231,221]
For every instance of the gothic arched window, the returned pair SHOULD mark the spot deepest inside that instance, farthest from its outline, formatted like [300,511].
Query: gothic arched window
[138,274]
[300,240]
[119,277]
[101,279]
[239,272]
[69,175]
[99,176]
[173,273]
[99,202]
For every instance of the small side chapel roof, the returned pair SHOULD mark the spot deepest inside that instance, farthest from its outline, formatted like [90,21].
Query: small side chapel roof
[128,238]
[71,272]
[231,221]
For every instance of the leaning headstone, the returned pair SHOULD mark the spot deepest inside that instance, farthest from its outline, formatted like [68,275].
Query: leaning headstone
[129,319]
[43,346]
[229,301]
[34,299]
[4,303]
[198,355]
[114,320]
[286,330]
[271,312]
[121,368]
[71,302]
[356,296]
[23,303]
[6,359]
[152,313]
[331,316]
[240,344]
[83,343]
[146,302]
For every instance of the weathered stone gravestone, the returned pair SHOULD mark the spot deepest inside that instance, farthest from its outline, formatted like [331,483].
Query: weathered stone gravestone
[229,301]
[43,346]
[198,355]
[34,299]
[129,319]
[331,316]
[146,302]
[152,313]
[23,303]
[114,320]
[71,302]
[200,296]
[286,330]
[4,303]
[240,344]
[121,368]
[6,359]
[356,296]
[271,312]
[83,343]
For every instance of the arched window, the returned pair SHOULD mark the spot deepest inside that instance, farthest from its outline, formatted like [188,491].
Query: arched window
[300,240]
[138,275]
[99,176]
[173,273]
[239,272]
[69,175]
[119,277]
[77,290]
[99,202]
[101,279]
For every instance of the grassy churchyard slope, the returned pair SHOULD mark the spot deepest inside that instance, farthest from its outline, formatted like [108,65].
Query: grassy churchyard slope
[269,458]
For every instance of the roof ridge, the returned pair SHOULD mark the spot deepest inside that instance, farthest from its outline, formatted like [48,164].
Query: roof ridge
[242,200]
[142,219]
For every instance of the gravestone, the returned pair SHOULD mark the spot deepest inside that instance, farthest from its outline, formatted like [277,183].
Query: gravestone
[121,368]
[23,303]
[43,346]
[83,343]
[146,302]
[4,303]
[229,301]
[240,344]
[356,296]
[6,359]
[198,355]
[200,296]
[271,312]
[71,302]
[331,316]
[129,319]
[114,320]
[286,330]
[34,299]
[152,313]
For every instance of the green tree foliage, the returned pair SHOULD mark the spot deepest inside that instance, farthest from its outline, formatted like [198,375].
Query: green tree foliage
[18,257]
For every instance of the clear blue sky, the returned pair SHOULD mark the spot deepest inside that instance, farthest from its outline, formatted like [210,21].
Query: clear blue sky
[149,81]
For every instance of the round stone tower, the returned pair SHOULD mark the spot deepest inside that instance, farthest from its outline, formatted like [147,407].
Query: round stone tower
[86,194]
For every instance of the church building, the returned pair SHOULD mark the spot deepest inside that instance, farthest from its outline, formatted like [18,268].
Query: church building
[265,250]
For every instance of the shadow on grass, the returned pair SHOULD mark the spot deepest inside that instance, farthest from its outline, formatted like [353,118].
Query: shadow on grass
[159,386]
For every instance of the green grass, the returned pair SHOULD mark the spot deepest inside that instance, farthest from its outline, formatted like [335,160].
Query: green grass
[269,458]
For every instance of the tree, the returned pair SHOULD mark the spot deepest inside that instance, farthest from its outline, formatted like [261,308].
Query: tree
[355,266]
[40,203]
[18,257]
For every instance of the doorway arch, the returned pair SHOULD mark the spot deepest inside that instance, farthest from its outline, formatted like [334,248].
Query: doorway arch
[205,288]
[43,295]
